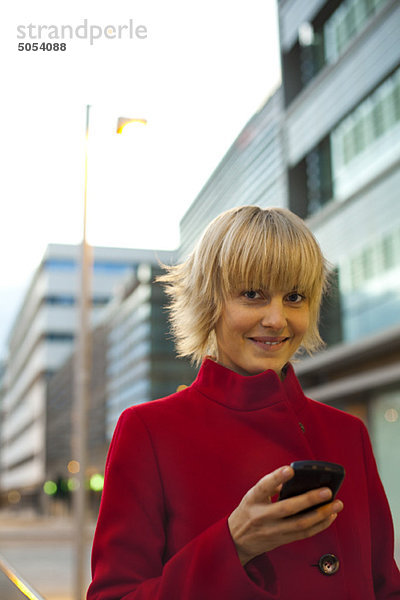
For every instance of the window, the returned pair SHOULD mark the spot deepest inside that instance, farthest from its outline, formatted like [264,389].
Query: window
[111,266]
[60,300]
[345,23]
[100,300]
[370,287]
[324,40]
[310,181]
[367,140]
[380,256]
[66,300]
[58,337]
[60,264]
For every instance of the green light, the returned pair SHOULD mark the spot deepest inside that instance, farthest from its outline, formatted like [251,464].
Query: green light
[73,484]
[96,482]
[50,488]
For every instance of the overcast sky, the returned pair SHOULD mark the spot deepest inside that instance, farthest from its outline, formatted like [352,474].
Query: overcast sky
[197,71]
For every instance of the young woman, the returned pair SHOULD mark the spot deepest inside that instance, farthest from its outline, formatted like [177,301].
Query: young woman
[189,508]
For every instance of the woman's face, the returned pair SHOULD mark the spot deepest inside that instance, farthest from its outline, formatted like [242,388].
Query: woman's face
[258,330]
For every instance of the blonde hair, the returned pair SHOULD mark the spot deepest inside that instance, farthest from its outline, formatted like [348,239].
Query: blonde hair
[244,248]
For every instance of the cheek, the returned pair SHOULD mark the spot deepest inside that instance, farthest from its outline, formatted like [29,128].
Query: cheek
[300,322]
[234,323]
[237,321]
[303,323]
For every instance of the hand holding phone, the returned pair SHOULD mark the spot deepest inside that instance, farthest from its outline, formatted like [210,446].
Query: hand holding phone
[258,525]
[310,475]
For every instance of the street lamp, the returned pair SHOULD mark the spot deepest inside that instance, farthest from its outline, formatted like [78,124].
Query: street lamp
[82,382]
[124,121]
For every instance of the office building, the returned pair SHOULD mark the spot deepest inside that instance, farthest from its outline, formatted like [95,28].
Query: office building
[251,172]
[132,361]
[2,371]
[141,360]
[341,83]
[61,459]
[40,341]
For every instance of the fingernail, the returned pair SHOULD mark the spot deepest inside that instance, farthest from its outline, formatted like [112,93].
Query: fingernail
[286,471]
[325,494]
[337,505]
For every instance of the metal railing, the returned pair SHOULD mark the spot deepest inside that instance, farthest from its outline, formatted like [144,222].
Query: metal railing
[13,586]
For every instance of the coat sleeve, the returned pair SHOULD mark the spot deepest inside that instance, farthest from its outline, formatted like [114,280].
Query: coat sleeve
[386,574]
[128,550]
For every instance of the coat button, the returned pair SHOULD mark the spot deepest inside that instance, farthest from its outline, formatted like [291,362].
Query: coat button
[328,564]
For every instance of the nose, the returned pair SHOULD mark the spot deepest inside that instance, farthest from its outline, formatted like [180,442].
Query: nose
[274,314]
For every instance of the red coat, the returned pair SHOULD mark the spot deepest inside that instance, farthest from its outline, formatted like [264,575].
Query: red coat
[177,468]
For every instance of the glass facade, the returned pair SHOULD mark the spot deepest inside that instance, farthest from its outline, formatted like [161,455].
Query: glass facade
[128,356]
[68,300]
[251,172]
[345,23]
[69,264]
[325,40]
[368,140]
[370,286]
[318,177]
[113,267]
[141,361]
[60,264]
[385,430]
[57,336]
[364,145]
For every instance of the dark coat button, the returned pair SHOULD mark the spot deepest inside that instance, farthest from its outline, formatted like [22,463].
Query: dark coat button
[328,564]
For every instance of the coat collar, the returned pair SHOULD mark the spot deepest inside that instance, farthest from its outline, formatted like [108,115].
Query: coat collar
[253,392]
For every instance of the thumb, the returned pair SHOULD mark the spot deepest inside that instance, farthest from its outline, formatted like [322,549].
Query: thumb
[270,484]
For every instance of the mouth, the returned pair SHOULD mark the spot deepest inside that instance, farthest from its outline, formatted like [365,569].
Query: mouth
[269,343]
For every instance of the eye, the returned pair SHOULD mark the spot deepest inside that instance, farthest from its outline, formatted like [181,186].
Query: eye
[295,297]
[251,294]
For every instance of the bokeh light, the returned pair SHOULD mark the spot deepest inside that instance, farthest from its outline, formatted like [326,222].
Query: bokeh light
[96,482]
[391,415]
[73,484]
[14,497]
[73,466]
[50,488]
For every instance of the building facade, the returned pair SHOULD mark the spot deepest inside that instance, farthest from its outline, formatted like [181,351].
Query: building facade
[40,341]
[132,360]
[341,83]
[61,459]
[141,361]
[252,172]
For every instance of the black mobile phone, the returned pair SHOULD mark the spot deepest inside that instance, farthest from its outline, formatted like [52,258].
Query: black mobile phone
[310,475]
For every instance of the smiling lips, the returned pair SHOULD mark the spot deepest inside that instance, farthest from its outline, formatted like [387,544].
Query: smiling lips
[269,343]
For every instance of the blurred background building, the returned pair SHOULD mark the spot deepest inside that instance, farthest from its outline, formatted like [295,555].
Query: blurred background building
[141,362]
[341,83]
[132,361]
[251,172]
[40,341]
[61,465]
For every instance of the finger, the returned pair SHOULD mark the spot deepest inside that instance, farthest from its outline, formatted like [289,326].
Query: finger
[305,525]
[313,528]
[296,504]
[269,484]
[321,513]
[303,533]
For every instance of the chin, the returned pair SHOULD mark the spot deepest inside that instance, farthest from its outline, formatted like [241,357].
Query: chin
[256,370]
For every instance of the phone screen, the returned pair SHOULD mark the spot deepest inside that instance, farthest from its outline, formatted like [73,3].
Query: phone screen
[310,475]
